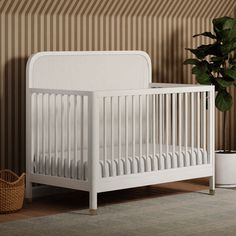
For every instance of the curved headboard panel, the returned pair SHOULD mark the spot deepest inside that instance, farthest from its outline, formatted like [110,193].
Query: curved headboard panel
[89,70]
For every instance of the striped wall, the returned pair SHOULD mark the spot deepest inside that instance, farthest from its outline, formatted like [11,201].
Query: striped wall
[161,28]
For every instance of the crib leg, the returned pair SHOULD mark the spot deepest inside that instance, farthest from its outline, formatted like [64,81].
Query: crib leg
[212,185]
[28,190]
[92,203]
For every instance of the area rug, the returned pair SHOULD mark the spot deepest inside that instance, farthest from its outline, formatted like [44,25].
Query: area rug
[195,213]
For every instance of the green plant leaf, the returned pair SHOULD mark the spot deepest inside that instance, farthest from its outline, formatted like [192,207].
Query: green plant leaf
[230,31]
[213,59]
[200,54]
[231,73]
[225,30]
[201,67]
[222,23]
[205,50]
[203,79]
[191,61]
[217,62]
[228,47]
[229,23]
[201,76]
[223,100]
[196,70]
[217,59]
[232,34]
[206,34]
[229,35]
[224,83]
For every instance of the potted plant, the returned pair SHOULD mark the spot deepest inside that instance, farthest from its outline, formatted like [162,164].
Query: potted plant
[215,64]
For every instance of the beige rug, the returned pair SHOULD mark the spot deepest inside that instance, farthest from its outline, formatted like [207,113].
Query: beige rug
[184,214]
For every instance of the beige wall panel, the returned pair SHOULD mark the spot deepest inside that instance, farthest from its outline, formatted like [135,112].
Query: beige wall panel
[161,28]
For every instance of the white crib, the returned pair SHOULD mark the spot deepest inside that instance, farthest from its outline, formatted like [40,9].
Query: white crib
[95,122]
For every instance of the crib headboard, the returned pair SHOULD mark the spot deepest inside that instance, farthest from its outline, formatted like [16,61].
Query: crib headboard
[93,70]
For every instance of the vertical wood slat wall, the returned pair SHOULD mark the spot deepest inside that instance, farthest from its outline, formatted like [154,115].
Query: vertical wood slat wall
[161,28]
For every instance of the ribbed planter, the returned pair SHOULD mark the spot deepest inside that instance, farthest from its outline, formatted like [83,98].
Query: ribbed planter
[225,169]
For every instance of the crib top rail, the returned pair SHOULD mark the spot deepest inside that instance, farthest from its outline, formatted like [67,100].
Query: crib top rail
[59,91]
[155,88]
[169,85]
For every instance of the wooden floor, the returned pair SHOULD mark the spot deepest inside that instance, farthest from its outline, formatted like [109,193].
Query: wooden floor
[77,200]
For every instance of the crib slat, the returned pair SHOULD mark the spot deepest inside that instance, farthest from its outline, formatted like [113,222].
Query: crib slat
[104,133]
[167,124]
[43,158]
[37,132]
[204,120]
[180,129]
[68,136]
[112,137]
[160,125]
[153,125]
[119,135]
[126,134]
[140,126]
[62,137]
[81,169]
[74,174]
[49,137]
[192,126]
[173,125]
[186,126]
[32,159]
[133,129]
[55,137]
[198,128]
[147,126]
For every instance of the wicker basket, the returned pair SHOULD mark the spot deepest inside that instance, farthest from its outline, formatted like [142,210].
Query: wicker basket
[12,190]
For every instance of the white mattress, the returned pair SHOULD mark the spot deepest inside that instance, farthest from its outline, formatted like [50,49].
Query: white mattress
[75,168]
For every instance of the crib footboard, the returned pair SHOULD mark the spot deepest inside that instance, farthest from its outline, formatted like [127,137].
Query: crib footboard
[107,140]
[58,138]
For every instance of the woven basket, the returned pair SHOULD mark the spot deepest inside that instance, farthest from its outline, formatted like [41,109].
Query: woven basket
[12,190]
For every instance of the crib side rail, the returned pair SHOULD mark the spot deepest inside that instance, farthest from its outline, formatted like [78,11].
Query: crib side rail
[155,129]
[122,128]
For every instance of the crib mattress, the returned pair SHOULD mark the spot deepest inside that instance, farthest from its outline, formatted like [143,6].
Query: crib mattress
[75,168]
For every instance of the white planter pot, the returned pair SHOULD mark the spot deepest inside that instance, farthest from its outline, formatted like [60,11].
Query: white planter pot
[225,169]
